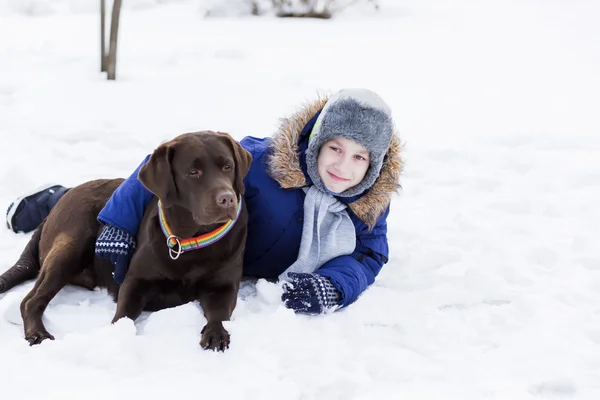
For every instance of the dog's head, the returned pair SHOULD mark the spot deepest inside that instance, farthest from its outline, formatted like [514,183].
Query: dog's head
[202,172]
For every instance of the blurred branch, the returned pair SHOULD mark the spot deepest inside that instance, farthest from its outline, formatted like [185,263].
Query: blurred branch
[114,32]
[309,14]
[102,35]
[323,9]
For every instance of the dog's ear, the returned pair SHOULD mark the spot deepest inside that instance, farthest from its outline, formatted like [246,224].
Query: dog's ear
[157,174]
[243,159]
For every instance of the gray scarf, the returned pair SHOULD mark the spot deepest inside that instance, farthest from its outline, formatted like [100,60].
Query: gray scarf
[327,232]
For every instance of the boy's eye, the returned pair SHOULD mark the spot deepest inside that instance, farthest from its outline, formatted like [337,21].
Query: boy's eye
[361,158]
[193,172]
[226,167]
[336,149]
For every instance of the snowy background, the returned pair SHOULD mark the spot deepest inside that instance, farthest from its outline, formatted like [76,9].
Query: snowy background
[493,286]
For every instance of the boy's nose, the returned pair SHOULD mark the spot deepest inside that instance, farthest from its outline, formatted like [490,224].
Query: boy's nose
[342,163]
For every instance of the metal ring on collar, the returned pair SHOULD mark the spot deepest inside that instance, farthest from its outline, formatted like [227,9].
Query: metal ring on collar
[171,251]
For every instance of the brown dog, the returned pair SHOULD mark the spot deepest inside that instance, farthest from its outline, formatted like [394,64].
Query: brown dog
[198,178]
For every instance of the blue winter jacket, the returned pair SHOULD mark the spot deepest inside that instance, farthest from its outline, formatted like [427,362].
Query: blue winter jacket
[275,214]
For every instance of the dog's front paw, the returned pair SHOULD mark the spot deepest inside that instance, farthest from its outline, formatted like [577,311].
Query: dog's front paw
[37,336]
[214,337]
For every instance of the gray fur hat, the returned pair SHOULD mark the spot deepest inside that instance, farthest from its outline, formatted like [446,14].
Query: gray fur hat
[359,115]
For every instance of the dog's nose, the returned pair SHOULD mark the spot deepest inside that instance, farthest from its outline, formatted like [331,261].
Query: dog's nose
[225,199]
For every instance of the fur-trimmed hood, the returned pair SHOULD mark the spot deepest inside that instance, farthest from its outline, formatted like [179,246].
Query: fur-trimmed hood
[284,164]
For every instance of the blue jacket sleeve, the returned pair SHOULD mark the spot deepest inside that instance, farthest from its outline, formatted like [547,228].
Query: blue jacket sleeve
[126,206]
[352,274]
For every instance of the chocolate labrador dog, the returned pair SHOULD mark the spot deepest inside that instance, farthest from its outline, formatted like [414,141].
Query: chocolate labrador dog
[190,244]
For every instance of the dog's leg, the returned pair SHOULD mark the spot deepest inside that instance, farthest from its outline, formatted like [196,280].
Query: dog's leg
[133,296]
[28,265]
[218,305]
[61,263]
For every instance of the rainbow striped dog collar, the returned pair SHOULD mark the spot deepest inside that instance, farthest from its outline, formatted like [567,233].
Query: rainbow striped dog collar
[198,242]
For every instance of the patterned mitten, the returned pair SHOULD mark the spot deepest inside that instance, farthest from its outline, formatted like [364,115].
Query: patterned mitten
[117,246]
[309,293]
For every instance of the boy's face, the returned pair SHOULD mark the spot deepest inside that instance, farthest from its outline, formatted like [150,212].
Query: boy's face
[342,164]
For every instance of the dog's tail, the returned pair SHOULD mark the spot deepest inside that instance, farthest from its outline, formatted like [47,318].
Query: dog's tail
[28,265]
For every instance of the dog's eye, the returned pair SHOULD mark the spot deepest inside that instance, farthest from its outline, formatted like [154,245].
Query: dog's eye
[193,172]
[226,167]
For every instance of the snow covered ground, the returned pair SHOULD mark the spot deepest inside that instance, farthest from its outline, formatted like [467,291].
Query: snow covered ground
[493,286]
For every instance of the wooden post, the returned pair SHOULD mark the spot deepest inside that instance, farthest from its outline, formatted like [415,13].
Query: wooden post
[112,47]
[102,35]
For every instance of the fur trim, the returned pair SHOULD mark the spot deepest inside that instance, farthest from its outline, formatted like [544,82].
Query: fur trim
[283,165]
